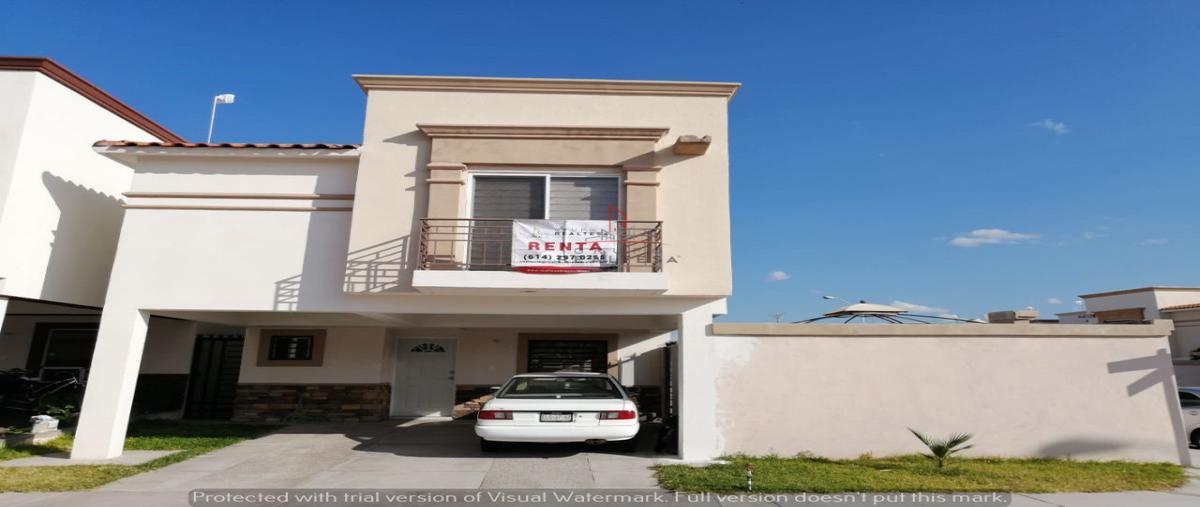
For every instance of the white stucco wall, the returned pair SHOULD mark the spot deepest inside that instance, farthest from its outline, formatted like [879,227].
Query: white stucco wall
[63,211]
[63,208]
[1165,298]
[1020,395]
[16,88]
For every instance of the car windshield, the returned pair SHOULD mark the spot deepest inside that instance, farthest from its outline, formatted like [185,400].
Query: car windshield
[560,387]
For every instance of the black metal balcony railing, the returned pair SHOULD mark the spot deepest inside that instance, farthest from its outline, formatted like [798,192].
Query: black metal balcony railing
[485,244]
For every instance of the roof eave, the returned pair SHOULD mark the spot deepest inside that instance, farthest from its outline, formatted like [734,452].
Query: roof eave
[369,82]
[128,155]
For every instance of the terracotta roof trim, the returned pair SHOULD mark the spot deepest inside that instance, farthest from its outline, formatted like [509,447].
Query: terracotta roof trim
[73,81]
[281,146]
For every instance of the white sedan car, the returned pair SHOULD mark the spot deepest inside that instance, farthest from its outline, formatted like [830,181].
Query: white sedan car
[559,407]
[1189,397]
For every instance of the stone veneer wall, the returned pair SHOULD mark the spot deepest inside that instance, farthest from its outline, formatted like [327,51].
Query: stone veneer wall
[311,402]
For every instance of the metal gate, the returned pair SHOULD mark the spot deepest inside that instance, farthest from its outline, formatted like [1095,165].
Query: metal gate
[568,355]
[213,385]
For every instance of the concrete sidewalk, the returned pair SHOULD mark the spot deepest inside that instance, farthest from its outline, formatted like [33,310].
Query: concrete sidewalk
[424,455]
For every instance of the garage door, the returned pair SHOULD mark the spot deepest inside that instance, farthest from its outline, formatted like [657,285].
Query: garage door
[568,355]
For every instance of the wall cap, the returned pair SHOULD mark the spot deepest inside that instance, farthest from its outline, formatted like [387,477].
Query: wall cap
[538,85]
[1158,328]
[542,132]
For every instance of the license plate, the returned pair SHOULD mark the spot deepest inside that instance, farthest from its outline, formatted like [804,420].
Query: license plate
[557,417]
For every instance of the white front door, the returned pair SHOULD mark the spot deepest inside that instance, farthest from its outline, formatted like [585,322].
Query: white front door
[424,383]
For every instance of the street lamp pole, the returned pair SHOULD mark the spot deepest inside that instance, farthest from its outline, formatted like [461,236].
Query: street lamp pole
[224,98]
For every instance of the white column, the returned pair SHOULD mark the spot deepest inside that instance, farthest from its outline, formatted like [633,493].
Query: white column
[109,396]
[3,311]
[697,389]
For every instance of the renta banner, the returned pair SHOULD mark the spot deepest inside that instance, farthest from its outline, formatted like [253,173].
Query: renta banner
[563,246]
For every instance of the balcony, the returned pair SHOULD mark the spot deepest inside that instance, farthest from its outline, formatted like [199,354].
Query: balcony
[465,255]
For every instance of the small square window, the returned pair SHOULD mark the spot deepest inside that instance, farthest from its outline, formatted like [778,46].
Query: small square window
[291,348]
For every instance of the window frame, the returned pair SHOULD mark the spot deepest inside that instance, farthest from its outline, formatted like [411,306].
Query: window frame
[266,336]
[293,338]
[547,174]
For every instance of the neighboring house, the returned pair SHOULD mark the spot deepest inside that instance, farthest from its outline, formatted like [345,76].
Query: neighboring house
[60,216]
[1178,304]
[1079,317]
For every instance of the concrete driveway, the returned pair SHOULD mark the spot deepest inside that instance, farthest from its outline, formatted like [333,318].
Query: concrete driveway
[425,454]
[443,455]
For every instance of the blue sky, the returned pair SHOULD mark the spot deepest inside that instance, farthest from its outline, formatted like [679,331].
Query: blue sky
[868,141]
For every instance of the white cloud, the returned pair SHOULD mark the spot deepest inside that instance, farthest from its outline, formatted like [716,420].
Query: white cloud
[1155,241]
[778,276]
[1054,301]
[1059,128]
[924,310]
[979,237]
[1089,235]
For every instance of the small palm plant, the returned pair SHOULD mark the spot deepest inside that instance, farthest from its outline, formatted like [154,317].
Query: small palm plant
[941,450]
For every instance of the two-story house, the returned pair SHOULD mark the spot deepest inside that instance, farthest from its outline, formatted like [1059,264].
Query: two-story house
[484,227]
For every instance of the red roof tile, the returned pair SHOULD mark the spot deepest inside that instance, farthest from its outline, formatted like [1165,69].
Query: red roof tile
[287,146]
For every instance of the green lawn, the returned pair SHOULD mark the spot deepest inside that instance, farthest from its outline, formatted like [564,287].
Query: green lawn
[191,439]
[918,474]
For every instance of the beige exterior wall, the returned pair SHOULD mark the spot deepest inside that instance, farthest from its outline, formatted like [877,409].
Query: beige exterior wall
[357,355]
[691,197]
[1038,393]
[490,356]
[352,356]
